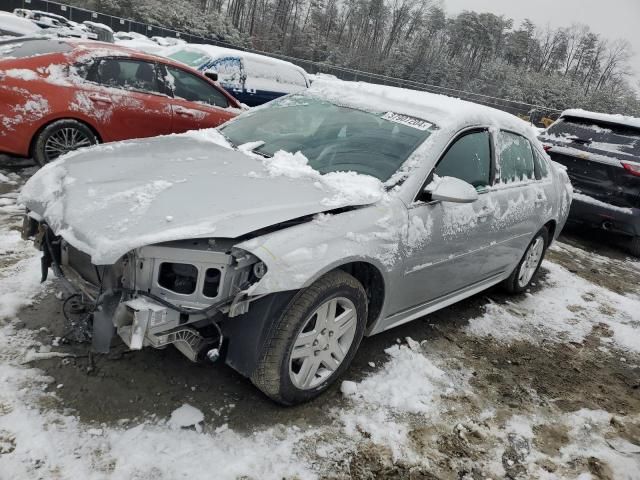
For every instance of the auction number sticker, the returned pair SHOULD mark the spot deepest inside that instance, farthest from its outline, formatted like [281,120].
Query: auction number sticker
[407,120]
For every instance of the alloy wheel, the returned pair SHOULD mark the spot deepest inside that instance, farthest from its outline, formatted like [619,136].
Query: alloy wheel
[323,343]
[65,140]
[531,262]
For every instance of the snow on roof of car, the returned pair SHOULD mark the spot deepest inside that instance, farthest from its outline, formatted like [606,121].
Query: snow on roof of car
[446,112]
[98,25]
[603,117]
[215,52]
[18,25]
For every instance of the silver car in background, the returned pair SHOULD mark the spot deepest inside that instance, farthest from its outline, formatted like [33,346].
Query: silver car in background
[281,239]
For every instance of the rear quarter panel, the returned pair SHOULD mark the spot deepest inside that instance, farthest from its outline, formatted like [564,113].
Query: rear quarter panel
[33,93]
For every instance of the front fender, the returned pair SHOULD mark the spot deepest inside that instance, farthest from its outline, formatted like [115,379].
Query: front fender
[297,256]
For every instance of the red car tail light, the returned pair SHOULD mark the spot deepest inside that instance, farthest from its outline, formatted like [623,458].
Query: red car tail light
[632,168]
[546,147]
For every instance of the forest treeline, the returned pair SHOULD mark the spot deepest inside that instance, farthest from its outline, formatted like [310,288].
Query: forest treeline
[416,40]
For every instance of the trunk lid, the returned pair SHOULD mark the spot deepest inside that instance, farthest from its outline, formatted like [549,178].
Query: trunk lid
[594,153]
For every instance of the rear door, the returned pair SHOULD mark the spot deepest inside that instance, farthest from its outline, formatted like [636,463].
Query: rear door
[196,103]
[518,202]
[125,98]
[602,159]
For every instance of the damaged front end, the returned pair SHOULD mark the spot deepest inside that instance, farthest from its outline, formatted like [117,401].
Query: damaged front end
[170,293]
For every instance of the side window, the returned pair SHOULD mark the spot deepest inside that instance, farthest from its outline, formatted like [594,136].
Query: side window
[541,168]
[229,70]
[468,159]
[127,74]
[191,88]
[516,158]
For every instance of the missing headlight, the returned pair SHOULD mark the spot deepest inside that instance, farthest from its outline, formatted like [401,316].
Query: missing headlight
[211,282]
[178,277]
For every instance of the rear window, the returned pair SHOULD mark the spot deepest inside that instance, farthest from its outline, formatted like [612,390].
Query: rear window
[30,47]
[596,135]
[190,57]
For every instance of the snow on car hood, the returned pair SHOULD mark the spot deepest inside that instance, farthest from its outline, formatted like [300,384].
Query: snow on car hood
[110,199]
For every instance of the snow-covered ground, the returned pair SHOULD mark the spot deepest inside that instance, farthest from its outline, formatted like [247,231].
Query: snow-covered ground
[543,385]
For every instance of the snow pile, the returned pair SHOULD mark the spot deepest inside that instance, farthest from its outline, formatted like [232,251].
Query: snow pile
[186,416]
[343,188]
[408,382]
[566,310]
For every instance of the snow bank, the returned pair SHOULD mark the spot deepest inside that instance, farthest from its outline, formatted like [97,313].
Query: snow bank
[566,310]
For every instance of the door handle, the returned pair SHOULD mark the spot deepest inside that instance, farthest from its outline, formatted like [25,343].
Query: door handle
[184,112]
[99,98]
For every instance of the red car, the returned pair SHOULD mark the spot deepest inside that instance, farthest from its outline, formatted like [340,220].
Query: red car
[57,95]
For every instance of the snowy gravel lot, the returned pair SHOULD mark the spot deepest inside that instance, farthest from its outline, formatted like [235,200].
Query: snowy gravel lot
[544,385]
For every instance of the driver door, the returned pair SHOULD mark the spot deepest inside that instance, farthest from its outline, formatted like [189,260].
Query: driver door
[447,242]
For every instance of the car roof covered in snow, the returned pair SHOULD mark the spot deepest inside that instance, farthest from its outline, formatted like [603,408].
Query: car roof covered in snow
[216,52]
[447,113]
[84,47]
[18,25]
[603,117]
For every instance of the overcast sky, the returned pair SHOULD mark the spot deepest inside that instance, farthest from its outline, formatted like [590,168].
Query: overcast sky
[612,18]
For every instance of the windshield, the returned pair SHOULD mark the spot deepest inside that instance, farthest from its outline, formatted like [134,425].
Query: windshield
[607,137]
[190,57]
[334,138]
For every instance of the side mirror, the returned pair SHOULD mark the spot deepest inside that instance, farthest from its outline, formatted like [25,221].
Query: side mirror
[211,75]
[450,189]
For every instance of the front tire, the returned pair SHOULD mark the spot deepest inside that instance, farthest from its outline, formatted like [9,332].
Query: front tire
[313,342]
[528,267]
[60,137]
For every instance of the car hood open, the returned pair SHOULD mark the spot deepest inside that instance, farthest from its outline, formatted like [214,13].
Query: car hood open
[110,199]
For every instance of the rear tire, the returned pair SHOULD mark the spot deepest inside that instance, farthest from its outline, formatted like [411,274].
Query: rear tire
[633,246]
[290,377]
[528,267]
[60,137]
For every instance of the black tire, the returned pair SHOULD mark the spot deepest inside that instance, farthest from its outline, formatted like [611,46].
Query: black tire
[272,374]
[42,144]
[512,284]
[633,246]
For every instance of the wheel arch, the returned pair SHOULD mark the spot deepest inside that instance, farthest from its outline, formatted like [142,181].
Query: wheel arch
[551,227]
[373,282]
[49,121]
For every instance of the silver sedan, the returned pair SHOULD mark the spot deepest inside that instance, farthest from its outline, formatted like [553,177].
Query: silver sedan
[280,240]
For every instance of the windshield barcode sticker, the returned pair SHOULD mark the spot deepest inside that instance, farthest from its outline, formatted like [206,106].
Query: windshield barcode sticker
[407,120]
